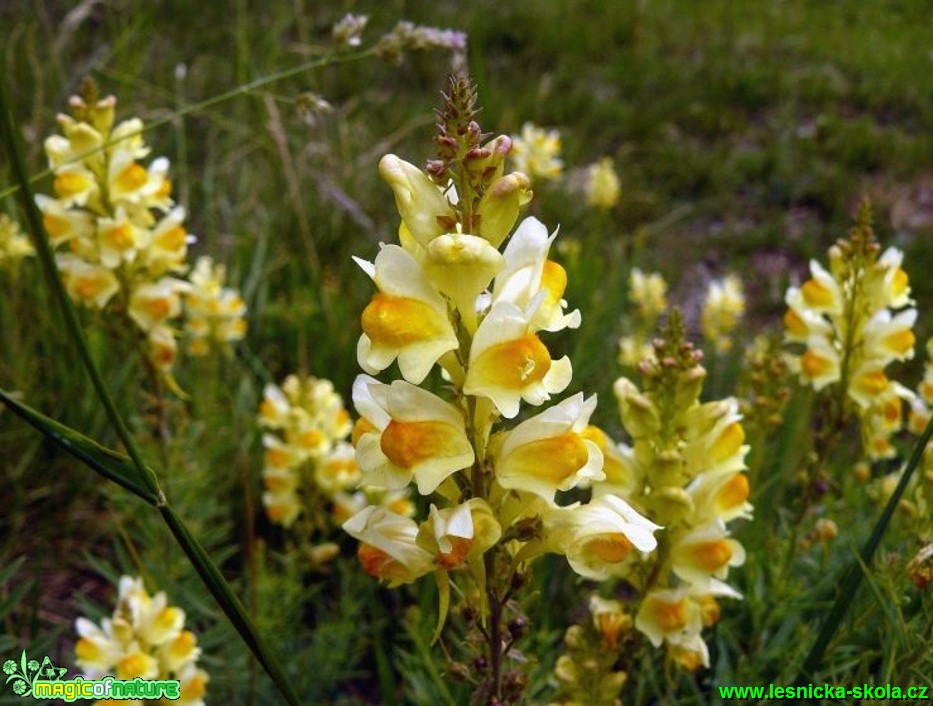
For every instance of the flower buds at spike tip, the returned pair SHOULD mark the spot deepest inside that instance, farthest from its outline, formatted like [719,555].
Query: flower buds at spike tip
[419,201]
[498,208]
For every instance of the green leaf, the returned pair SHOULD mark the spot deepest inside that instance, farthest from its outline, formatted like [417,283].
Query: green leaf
[108,463]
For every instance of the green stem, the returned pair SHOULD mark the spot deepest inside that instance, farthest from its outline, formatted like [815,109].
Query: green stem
[855,573]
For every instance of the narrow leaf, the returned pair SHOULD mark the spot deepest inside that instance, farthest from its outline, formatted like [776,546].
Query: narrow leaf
[108,463]
[228,601]
[855,573]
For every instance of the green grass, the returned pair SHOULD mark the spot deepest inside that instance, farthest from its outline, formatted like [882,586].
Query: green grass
[744,133]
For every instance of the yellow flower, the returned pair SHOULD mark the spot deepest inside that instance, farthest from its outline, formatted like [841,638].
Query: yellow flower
[407,319]
[722,310]
[508,362]
[602,184]
[93,285]
[549,452]
[705,552]
[528,272]
[423,207]
[536,152]
[460,533]
[418,435]
[154,303]
[13,244]
[389,548]
[598,538]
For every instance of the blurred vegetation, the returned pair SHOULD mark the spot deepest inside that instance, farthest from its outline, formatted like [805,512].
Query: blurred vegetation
[744,134]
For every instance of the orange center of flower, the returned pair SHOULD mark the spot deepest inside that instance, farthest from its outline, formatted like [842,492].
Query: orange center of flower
[733,493]
[553,459]
[611,548]
[172,239]
[158,308]
[132,177]
[711,556]
[121,237]
[132,666]
[728,443]
[407,444]
[816,294]
[88,287]
[399,321]
[460,547]
[514,364]
[873,382]
[57,226]
[901,342]
[670,617]
[813,364]
[794,323]
[377,563]
[194,688]
[70,184]
[362,426]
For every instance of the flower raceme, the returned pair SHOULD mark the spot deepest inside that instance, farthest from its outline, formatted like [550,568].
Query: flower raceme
[851,322]
[468,292]
[145,638]
[121,238]
[685,471]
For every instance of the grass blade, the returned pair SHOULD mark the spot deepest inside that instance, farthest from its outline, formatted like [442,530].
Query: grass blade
[856,572]
[110,464]
[228,601]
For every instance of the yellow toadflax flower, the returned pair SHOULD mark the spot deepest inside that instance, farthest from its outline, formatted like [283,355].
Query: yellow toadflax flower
[723,309]
[144,638]
[602,185]
[214,312]
[14,245]
[536,152]
[852,323]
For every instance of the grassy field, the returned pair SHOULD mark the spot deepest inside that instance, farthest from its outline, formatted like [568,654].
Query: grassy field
[744,135]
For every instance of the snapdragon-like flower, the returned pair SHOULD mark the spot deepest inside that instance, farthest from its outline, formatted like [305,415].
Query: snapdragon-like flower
[852,323]
[214,312]
[723,309]
[648,297]
[145,638]
[306,455]
[14,245]
[602,185]
[536,152]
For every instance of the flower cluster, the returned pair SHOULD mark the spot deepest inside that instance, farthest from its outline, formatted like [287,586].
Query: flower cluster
[214,313]
[14,245]
[648,299]
[536,152]
[306,446]
[121,237]
[586,673]
[602,185]
[684,471]
[853,320]
[145,638]
[723,309]
[448,297]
